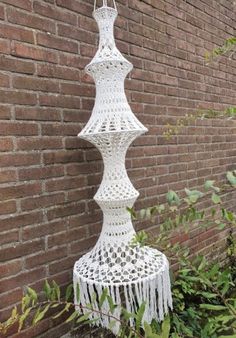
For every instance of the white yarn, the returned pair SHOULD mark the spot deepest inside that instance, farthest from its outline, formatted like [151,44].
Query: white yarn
[135,274]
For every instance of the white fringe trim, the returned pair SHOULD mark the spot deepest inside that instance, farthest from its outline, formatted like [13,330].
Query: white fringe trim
[154,291]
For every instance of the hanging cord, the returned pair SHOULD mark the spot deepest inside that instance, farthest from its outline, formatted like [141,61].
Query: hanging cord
[104,4]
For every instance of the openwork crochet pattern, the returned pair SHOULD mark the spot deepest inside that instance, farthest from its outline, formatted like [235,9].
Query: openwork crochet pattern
[132,275]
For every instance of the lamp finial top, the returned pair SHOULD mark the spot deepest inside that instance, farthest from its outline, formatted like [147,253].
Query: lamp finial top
[105,4]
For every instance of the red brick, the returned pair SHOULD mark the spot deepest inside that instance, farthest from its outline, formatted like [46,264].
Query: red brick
[16,65]
[39,143]
[6,144]
[54,42]
[7,176]
[30,20]
[31,83]
[76,6]
[58,72]
[42,202]
[46,10]
[66,237]
[60,101]
[17,97]
[5,112]
[19,160]
[74,61]
[46,257]
[29,174]
[24,278]
[16,221]
[19,250]
[83,245]
[66,210]
[10,298]
[16,191]
[37,113]
[7,207]
[77,90]
[5,46]
[24,4]
[2,13]
[35,53]
[18,129]
[4,80]
[59,129]
[76,34]
[65,184]
[63,157]
[16,33]
[32,232]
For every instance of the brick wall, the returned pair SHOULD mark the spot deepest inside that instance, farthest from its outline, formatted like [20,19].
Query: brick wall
[48,177]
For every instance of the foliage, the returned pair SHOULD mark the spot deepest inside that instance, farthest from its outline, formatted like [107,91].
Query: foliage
[204,304]
[228,46]
[174,129]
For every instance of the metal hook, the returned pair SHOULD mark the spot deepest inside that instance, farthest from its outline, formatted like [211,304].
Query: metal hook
[104,4]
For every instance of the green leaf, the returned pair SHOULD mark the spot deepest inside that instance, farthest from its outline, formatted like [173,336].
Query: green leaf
[47,289]
[231,178]
[216,198]
[32,293]
[139,316]
[77,293]
[193,196]
[22,319]
[166,327]
[66,308]
[132,212]
[73,316]
[213,307]
[210,185]
[40,314]
[103,297]
[69,291]
[83,318]
[173,198]
[57,290]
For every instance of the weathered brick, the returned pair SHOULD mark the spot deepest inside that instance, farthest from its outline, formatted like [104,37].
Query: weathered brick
[40,173]
[30,20]
[42,201]
[16,65]
[46,257]
[31,83]
[19,160]
[46,10]
[24,4]
[58,72]
[35,53]
[18,129]
[19,250]
[6,144]
[7,207]
[65,184]
[16,33]
[66,210]
[39,143]
[54,42]
[37,113]
[16,191]
[17,97]
[60,101]
[31,232]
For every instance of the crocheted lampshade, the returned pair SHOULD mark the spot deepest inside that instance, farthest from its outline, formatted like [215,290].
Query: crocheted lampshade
[132,275]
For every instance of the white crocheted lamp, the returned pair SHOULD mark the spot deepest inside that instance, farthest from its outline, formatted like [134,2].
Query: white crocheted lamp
[132,275]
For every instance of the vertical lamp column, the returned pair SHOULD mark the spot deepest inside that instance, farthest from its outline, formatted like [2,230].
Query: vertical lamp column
[132,275]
